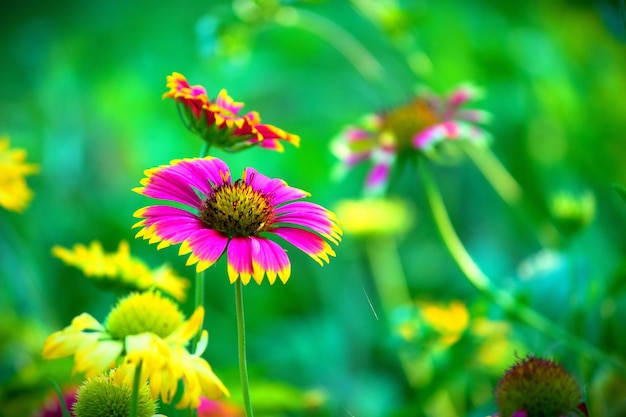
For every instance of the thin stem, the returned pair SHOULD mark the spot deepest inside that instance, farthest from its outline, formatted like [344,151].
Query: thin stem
[364,62]
[64,411]
[241,337]
[507,302]
[198,301]
[206,147]
[388,274]
[392,289]
[135,394]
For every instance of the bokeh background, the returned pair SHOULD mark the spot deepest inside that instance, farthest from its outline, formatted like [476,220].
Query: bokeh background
[81,92]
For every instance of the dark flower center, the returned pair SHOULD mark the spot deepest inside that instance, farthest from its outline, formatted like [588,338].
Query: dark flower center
[237,210]
[406,121]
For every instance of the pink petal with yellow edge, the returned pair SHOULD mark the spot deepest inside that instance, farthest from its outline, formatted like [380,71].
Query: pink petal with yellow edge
[306,214]
[170,224]
[275,189]
[200,173]
[172,184]
[269,258]
[308,242]
[240,259]
[206,245]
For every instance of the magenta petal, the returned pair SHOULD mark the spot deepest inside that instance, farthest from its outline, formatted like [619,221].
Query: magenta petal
[357,135]
[166,184]
[240,259]
[269,258]
[305,214]
[306,241]
[171,224]
[377,176]
[428,137]
[275,189]
[207,245]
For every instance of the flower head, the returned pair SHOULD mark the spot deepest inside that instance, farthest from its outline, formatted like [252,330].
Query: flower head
[236,217]
[143,328]
[537,387]
[218,121]
[110,395]
[418,126]
[14,192]
[120,270]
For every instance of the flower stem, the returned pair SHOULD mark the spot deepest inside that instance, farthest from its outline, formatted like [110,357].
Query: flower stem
[391,285]
[198,301]
[506,301]
[135,394]
[241,337]
[64,411]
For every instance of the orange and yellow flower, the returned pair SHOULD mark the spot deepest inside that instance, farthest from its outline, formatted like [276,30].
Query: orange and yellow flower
[218,121]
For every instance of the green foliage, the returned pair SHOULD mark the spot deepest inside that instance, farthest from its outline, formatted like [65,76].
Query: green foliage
[81,92]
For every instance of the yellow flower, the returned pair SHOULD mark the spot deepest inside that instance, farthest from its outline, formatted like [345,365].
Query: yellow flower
[375,216]
[441,324]
[450,321]
[121,270]
[14,192]
[145,328]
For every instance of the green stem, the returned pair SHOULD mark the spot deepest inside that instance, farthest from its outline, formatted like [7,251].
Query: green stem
[335,35]
[61,398]
[198,301]
[392,289]
[507,302]
[206,147]
[135,394]
[388,274]
[241,337]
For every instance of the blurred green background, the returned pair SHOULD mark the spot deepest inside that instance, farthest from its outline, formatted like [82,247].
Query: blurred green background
[81,92]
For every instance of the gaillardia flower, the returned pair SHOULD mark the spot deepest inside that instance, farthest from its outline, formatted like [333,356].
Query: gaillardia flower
[14,192]
[218,121]
[537,387]
[220,215]
[143,328]
[121,271]
[418,126]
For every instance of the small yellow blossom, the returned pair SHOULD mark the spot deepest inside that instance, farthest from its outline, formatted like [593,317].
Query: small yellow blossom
[14,192]
[121,270]
[148,329]
[441,324]
[375,216]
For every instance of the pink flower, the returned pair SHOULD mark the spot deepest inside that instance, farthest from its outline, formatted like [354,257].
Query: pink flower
[420,125]
[237,218]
